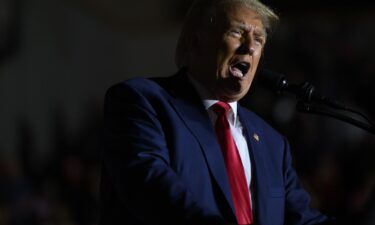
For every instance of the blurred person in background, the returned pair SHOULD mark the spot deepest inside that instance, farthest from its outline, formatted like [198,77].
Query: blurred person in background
[181,150]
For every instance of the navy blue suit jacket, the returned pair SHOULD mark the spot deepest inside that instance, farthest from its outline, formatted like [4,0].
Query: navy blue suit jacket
[162,163]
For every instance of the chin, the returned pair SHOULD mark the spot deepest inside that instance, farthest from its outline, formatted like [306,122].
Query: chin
[236,95]
[231,97]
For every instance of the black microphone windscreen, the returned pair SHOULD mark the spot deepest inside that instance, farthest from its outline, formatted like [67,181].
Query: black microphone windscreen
[272,80]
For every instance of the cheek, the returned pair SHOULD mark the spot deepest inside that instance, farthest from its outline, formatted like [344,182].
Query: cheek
[232,46]
[258,54]
[227,51]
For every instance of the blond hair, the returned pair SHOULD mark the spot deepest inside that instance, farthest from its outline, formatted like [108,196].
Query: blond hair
[203,11]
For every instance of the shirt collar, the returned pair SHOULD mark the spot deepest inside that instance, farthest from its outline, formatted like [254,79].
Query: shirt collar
[207,101]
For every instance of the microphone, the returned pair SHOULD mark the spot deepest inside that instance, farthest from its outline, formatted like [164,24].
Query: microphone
[309,100]
[304,91]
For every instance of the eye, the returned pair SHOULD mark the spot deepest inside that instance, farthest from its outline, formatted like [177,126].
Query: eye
[236,32]
[259,40]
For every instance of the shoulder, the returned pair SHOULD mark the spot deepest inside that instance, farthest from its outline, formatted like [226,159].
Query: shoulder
[138,86]
[151,87]
[139,83]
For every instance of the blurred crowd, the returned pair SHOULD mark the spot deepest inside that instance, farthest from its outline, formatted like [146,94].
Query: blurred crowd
[62,189]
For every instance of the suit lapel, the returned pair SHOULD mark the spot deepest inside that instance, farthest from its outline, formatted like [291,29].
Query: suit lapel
[189,106]
[258,168]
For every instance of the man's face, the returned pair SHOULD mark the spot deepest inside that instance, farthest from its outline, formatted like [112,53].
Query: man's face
[228,53]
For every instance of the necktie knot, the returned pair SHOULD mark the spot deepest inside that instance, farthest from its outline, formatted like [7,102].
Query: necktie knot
[221,108]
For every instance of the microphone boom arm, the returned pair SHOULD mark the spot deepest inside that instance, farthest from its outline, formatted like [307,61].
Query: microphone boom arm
[314,109]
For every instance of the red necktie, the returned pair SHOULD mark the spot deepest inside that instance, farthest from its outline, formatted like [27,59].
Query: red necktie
[235,171]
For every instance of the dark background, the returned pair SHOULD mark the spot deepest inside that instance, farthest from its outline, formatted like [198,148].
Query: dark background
[58,57]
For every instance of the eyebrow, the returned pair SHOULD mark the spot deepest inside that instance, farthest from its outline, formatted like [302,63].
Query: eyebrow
[257,30]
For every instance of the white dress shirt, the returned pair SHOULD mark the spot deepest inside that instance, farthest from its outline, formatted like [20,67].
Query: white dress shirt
[235,126]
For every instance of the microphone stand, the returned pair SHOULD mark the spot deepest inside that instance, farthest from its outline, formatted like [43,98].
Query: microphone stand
[306,107]
[322,105]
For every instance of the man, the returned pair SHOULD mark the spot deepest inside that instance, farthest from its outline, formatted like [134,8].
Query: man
[180,150]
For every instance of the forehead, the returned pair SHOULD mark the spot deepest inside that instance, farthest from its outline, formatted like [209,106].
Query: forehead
[240,14]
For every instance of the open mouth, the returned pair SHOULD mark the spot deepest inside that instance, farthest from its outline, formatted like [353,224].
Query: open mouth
[239,69]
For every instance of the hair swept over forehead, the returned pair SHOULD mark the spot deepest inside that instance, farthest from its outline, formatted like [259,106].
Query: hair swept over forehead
[202,11]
